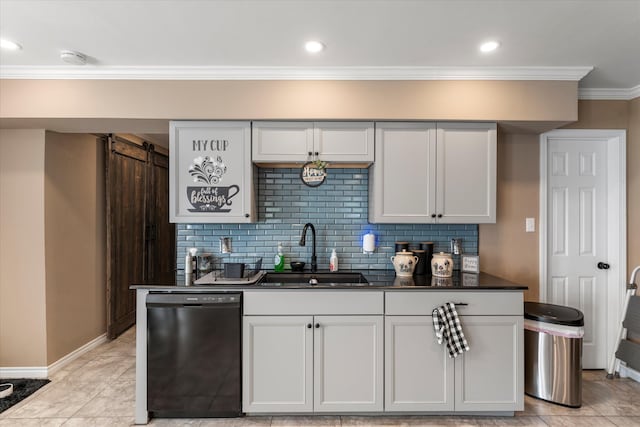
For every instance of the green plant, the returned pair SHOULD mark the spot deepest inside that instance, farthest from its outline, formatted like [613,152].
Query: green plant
[319,164]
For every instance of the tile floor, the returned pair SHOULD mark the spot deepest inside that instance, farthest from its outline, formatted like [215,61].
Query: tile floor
[97,389]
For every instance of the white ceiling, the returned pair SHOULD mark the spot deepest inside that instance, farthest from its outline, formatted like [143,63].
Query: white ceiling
[390,39]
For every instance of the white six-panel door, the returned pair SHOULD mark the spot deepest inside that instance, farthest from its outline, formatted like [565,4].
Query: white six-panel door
[582,225]
[577,208]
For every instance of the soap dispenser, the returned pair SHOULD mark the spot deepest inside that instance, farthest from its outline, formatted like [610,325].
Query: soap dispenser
[278,262]
[333,261]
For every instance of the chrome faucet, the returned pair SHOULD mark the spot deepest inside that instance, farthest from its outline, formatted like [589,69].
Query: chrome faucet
[314,259]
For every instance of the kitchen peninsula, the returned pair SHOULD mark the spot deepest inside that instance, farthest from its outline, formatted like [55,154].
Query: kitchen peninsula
[366,347]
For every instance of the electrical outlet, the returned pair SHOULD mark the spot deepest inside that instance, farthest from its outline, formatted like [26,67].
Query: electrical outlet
[530,225]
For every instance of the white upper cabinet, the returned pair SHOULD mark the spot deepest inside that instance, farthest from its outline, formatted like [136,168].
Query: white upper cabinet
[282,141]
[210,172]
[285,142]
[434,173]
[402,180]
[466,173]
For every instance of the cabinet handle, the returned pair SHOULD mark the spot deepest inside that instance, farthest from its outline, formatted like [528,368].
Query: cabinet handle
[460,303]
[316,153]
[308,325]
[317,325]
[439,215]
[433,215]
[246,215]
[310,154]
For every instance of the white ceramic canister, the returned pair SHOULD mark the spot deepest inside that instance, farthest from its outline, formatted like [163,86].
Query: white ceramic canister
[442,265]
[404,262]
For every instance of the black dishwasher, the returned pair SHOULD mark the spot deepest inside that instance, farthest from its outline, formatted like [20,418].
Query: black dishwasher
[194,355]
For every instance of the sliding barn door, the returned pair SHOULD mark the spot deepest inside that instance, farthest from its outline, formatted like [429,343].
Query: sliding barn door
[160,233]
[140,239]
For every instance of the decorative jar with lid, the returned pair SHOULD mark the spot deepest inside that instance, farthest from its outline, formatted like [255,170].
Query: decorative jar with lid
[442,265]
[404,263]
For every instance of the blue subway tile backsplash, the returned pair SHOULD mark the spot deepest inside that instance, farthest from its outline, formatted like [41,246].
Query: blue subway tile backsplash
[339,211]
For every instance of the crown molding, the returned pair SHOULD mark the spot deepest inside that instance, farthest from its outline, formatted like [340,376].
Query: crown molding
[294,73]
[609,94]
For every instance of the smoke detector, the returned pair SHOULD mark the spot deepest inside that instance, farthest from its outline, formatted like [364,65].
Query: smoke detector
[73,57]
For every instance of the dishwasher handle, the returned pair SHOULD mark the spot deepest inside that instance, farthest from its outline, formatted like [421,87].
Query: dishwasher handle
[193,300]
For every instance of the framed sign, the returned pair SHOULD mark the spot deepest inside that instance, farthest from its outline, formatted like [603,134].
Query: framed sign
[314,173]
[470,263]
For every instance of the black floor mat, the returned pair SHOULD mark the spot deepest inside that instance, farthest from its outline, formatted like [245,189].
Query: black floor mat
[22,388]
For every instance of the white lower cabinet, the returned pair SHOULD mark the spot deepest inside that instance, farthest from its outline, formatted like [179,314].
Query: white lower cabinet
[352,358]
[490,376]
[421,377]
[418,374]
[277,365]
[347,364]
[312,363]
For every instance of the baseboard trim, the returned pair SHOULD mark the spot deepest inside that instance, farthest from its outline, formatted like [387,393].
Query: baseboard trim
[626,372]
[42,372]
[60,363]
[39,372]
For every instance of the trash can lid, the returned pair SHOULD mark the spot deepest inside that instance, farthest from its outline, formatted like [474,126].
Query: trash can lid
[551,313]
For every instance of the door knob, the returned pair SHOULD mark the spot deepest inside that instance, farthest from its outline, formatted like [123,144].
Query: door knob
[603,266]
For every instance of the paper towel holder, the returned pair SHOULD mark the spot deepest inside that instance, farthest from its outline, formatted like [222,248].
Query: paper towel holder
[368,243]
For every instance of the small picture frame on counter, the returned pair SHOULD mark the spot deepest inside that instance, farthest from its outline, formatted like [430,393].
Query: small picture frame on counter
[470,263]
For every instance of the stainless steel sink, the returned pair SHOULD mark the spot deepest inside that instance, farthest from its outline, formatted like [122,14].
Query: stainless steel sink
[314,279]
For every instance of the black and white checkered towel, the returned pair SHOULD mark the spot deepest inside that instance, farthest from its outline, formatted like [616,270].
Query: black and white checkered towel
[447,326]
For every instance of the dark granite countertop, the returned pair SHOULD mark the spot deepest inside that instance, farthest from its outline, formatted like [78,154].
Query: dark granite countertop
[378,279]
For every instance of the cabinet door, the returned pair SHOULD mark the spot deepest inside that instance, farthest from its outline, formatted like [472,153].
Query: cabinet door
[348,353]
[418,371]
[277,367]
[490,376]
[466,168]
[210,172]
[402,179]
[344,141]
[282,141]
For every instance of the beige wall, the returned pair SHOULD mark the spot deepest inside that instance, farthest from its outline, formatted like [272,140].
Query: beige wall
[504,247]
[23,338]
[52,273]
[75,242]
[505,250]
[527,101]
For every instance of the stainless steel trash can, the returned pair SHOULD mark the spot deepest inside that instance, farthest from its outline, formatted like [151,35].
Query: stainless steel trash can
[553,353]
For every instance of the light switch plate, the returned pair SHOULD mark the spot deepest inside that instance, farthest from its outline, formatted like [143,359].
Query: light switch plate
[530,225]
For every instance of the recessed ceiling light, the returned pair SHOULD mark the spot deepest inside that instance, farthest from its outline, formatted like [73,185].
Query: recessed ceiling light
[73,57]
[9,45]
[489,46]
[313,46]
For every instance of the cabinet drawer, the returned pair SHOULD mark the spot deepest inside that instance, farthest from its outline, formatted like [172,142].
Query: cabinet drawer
[487,303]
[313,302]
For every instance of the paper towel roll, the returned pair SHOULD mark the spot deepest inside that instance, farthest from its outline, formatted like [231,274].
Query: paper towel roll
[369,242]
